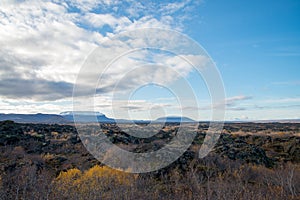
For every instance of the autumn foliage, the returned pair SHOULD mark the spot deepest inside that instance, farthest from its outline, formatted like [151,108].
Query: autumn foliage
[97,182]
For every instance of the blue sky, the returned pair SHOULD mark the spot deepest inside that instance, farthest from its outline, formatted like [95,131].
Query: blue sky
[255,45]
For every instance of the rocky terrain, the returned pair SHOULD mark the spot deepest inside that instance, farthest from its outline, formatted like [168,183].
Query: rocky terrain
[61,147]
[52,149]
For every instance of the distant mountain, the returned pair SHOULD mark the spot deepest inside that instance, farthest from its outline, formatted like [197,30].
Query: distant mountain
[278,121]
[174,119]
[83,117]
[62,118]
[86,117]
[34,118]
[265,121]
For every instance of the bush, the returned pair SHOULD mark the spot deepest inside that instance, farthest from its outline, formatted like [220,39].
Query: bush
[96,183]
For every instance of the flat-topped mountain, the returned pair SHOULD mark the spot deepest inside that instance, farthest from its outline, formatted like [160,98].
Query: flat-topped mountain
[34,118]
[86,117]
[62,118]
[174,119]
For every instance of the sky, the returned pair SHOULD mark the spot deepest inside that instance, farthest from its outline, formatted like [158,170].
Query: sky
[255,45]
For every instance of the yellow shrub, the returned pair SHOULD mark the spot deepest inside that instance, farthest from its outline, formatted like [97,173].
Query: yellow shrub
[104,172]
[98,179]
[66,182]
[70,175]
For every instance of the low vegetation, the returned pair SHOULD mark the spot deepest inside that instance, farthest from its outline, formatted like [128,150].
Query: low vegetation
[49,162]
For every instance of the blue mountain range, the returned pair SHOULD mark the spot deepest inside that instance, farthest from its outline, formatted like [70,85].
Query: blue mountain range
[82,117]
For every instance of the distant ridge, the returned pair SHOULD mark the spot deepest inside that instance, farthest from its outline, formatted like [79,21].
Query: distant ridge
[278,121]
[63,118]
[34,118]
[94,117]
[174,119]
[266,121]
[83,117]
[86,117]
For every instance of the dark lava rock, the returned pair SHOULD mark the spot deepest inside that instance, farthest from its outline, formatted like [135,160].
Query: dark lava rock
[238,149]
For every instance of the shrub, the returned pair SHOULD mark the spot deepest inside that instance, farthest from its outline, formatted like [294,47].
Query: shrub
[95,183]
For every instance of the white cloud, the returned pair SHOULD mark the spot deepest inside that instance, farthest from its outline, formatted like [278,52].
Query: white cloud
[283,100]
[30,107]
[99,20]
[44,41]
[41,39]
[88,5]
[231,103]
[147,22]
[141,67]
[232,100]
[129,108]
[175,6]
[43,44]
